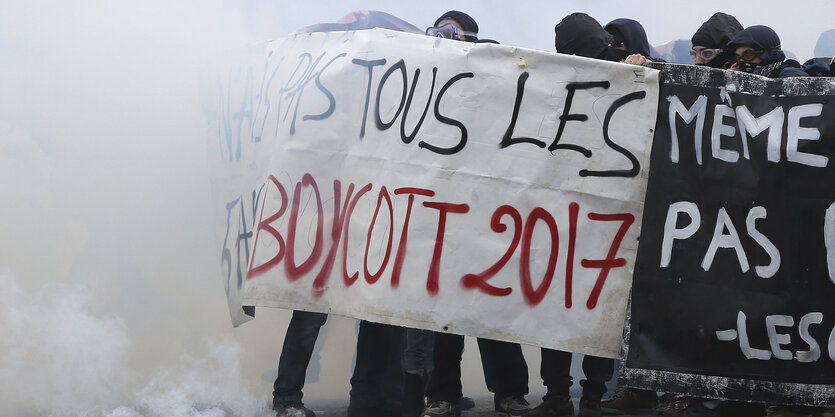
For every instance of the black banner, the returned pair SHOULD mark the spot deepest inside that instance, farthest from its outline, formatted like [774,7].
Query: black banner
[734,285]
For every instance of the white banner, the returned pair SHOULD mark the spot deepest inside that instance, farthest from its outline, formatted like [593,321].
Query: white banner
[479,189]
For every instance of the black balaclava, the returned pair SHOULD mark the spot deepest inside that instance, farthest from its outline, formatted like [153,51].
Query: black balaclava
[632,34]
[579,34]
[765,39]
[716,33]
[467,23]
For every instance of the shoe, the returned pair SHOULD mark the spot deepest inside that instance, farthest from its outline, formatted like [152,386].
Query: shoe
[630,401]
[515,405]
[441,409]
[589,408]
[555,406]
[466,403]
[292,409]
[724,409]
[696,409]
[670,403]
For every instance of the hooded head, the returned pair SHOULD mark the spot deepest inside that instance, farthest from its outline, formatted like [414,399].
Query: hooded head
[716,33]
[763,44]
[761,38]
[464,20]
[579,34]
[630,33]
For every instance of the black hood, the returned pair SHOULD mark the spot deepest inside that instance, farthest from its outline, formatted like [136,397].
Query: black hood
[631,33]
[579,34]
[763,38]
[716,33]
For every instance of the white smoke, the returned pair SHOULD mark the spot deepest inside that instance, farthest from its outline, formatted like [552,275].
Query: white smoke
[59,359]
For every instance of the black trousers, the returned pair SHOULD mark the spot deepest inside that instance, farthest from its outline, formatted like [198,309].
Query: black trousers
[555,370]
[505,369]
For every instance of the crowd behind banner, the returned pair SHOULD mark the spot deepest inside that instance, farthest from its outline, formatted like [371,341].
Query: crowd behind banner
[415,372]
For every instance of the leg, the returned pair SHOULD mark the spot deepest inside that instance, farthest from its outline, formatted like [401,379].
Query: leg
[376,381]
[556,376]
[417,351]
[417,364]
[299,342]
[555,371]
[505,369]
[598,371]
[445,382]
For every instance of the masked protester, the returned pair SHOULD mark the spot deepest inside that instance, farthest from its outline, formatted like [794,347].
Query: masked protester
[580,34]
[758,51]
[455,25]
[710,42]
[505,369]
[630,36]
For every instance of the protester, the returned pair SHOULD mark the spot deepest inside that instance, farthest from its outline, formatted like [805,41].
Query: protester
[455,25]
[709,49]
[630,36]
[580,34]
[758,51]
[505,369]
[710,42]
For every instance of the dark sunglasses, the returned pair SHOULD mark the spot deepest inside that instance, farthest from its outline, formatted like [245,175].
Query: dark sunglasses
[748,55]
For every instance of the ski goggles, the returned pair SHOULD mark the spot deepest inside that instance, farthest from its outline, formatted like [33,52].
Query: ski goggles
[449,31]
[705,54]
[748,55]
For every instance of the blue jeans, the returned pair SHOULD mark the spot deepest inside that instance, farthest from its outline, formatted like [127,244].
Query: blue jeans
[295,355]
[417,351]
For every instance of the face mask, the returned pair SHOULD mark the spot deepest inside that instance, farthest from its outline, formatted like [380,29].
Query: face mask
[613,54]
[747,66]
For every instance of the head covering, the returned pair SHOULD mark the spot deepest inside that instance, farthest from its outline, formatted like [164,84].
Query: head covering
[716,33]
[763,38]
[579,34]
[632,34]
[467,23]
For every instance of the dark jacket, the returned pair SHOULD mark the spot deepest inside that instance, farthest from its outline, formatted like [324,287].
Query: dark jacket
[716,33]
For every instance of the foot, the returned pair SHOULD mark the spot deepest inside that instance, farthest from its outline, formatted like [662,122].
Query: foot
[630,401]
[292,409]
[589,408]
[555,406]
[441,409]
[466,403]
[515,405]
[670,403]
[723,409]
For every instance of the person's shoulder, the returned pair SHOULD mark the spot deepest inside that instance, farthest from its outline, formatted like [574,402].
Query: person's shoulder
[791,68]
